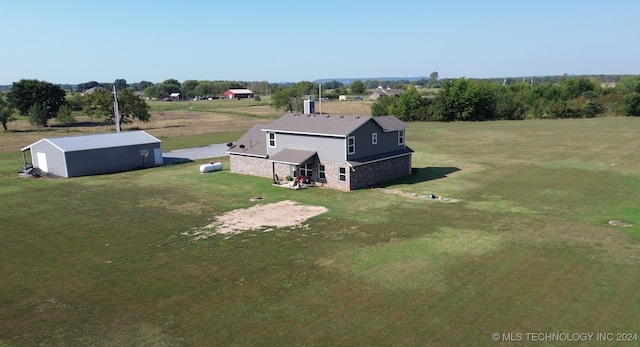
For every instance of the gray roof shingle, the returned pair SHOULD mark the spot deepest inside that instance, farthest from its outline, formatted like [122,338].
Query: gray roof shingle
[252,143]
[292,156]
[390,123]
[328,125]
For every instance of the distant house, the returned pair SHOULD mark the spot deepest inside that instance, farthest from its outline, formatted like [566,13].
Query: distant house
[95,154]
[238,94]
[380,91]
[339,152]
[93,89]
[176,96]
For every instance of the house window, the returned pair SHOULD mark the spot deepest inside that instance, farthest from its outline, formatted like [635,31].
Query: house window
[321,172]
[306,170]
[351,145]
[400,137]
[374,138]
[343,175]
[272,139]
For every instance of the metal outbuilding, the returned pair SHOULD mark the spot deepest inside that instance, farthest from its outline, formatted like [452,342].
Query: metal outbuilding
[238,94]
[95,154]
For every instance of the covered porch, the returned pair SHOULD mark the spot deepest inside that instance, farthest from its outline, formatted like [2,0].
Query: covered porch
[293,168]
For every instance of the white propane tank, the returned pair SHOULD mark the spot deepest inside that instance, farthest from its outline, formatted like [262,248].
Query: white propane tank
[211,167]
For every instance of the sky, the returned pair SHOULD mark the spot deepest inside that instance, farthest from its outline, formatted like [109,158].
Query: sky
[77,41]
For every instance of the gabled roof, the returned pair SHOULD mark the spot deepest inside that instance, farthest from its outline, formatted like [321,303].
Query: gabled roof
[87,142]
[390,123]
[326,125]
[240,91]
[252,143]
[388,91]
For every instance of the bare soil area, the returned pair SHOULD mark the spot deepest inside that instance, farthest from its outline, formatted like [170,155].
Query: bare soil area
[265,217]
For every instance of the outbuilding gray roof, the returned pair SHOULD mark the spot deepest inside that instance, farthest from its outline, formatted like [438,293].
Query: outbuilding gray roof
[87,142]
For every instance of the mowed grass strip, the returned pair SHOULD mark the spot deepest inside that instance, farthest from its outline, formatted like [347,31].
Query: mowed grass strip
[102,260]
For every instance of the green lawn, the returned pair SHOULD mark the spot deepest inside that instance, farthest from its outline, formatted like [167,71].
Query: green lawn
[523,245]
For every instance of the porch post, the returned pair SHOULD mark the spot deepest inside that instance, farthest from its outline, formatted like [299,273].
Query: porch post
[273,172]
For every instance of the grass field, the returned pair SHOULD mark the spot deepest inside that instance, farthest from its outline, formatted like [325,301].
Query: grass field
[526,247]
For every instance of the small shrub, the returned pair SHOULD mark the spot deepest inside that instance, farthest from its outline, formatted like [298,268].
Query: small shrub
[65,116]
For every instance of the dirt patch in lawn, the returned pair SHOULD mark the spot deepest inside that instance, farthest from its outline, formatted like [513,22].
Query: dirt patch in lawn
[264,217]
[620,223]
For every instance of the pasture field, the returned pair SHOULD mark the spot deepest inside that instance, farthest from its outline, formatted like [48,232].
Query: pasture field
[523,246]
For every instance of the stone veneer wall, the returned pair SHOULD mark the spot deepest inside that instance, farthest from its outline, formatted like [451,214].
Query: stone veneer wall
[250,165]
[368,175]
[364,176]
[332,174]
[256,166]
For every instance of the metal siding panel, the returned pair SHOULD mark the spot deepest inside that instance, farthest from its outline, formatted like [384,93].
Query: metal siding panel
[109,160]
[55,158]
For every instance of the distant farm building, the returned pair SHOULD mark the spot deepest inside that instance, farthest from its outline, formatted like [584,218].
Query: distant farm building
[176,96]
[380,91]
[238,94]
[95,154]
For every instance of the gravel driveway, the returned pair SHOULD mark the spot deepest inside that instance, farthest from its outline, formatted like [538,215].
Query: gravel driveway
[190,154]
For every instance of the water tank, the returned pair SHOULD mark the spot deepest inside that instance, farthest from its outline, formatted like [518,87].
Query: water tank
[211,167]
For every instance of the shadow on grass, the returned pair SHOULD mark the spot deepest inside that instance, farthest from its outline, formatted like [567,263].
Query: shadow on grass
[56,127]
[423,174]
[175,160]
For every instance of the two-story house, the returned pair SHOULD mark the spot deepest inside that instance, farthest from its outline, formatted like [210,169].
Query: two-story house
[339,152]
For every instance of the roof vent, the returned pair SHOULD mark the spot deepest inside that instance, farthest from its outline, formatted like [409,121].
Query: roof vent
[241,146]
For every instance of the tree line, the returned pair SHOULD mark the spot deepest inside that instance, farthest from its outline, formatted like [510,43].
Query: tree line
[453,100]
[41,101]
[480,100]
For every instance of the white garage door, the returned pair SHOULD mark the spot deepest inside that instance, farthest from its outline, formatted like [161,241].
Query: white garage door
[157,155]
[42,161]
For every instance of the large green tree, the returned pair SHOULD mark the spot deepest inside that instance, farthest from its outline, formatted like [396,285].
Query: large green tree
[26,93]
[99,104]
[120,84]
[631,104]
[357,87]
[289,99]
[188,88]
[6,112]
[410,106]
[465,100]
